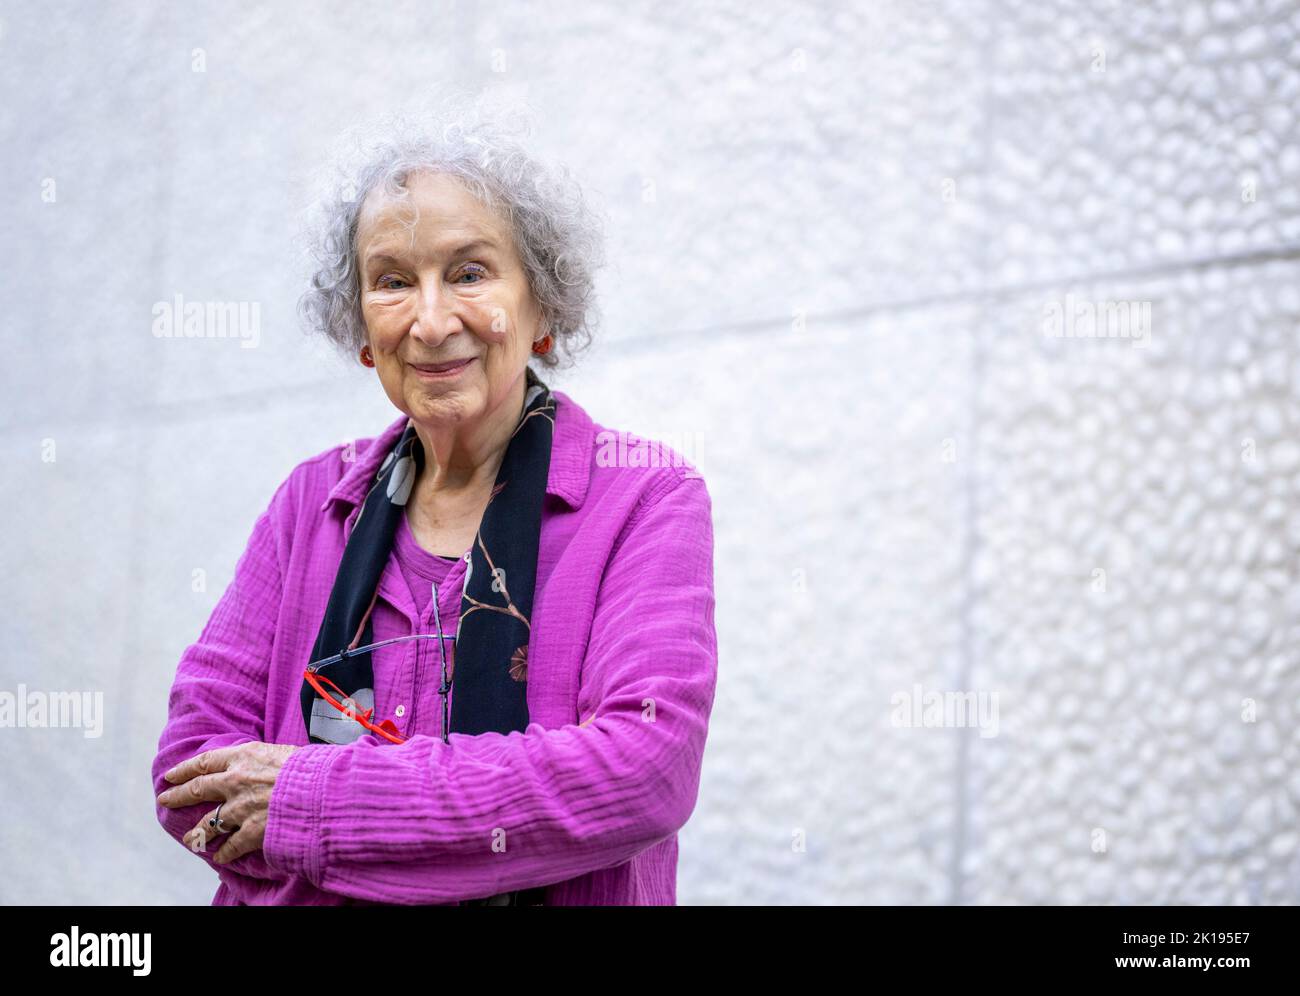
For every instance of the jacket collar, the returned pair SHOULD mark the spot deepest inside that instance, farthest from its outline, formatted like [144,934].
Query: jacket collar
[567,479]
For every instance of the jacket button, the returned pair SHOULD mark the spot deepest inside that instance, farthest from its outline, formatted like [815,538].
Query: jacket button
[400,711]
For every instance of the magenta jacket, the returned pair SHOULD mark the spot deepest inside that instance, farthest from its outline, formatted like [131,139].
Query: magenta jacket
[621,675]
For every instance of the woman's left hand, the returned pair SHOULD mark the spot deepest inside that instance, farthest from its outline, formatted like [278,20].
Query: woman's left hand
[241,779]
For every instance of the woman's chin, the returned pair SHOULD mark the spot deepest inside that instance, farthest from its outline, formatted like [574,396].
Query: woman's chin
[443,402]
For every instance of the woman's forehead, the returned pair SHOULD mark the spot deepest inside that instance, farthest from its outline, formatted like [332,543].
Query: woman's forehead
[444,216]
[438,193]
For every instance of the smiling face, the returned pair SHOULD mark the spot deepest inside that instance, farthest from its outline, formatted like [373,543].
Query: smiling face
[448,288]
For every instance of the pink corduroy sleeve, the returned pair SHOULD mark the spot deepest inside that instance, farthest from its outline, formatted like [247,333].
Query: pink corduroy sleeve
[428,822]
[219,693]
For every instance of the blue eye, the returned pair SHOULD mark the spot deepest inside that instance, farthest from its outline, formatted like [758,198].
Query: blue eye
[388,286]
[473,273]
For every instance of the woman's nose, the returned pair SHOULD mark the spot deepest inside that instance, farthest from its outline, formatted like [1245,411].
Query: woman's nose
[437,315]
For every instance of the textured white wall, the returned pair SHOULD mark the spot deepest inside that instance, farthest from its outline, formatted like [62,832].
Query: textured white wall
[835,230]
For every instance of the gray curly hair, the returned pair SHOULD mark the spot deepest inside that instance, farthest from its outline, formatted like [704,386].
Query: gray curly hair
[557,235]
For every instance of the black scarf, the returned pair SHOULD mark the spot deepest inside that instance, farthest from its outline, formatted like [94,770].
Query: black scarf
[491,655]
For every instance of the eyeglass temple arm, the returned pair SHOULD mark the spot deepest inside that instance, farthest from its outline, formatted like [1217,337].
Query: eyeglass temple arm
[345,653]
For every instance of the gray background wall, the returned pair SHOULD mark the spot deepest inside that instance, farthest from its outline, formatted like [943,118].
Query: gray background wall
[835,230]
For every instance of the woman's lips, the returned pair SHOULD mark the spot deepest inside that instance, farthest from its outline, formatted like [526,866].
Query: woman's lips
[442,371]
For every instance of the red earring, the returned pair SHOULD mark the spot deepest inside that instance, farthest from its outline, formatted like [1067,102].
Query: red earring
[366,358]
[543,345]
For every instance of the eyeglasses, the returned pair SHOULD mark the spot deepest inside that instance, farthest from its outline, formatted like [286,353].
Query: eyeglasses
[387,729]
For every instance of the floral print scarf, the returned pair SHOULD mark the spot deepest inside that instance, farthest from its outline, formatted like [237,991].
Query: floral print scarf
[491,655]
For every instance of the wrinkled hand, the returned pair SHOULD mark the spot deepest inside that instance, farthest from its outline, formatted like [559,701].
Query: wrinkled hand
[241,779]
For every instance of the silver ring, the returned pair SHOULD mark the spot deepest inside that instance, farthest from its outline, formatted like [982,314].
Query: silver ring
[217,823]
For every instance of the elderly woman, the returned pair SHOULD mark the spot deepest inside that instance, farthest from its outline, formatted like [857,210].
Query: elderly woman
[537,736]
